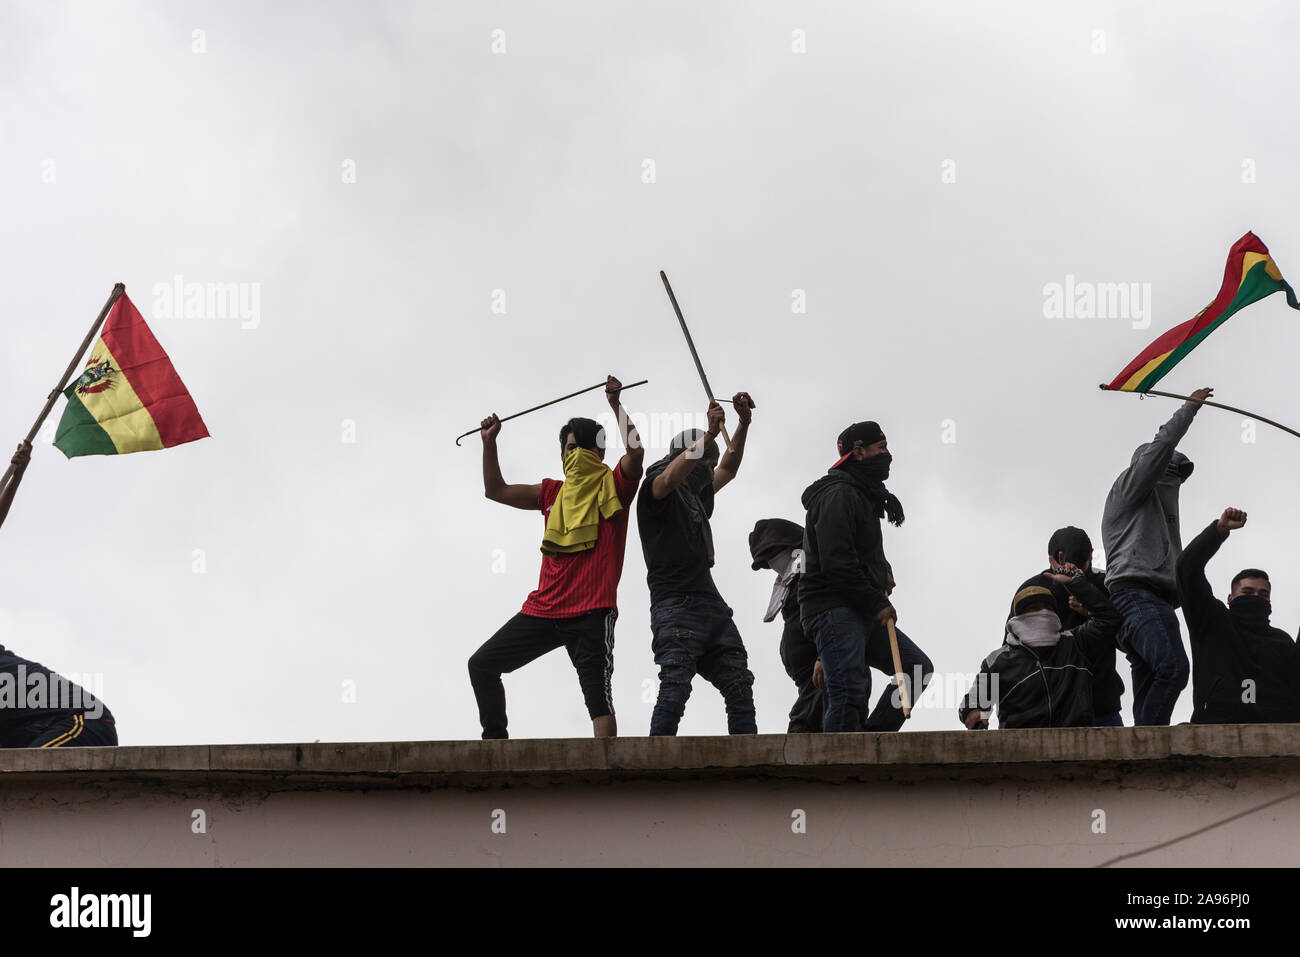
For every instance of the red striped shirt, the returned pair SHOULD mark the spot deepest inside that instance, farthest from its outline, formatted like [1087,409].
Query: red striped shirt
[572,584]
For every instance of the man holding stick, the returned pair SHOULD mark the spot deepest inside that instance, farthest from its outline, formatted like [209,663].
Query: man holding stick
[692,626]
[575,603]
[1139,531]
[845,585]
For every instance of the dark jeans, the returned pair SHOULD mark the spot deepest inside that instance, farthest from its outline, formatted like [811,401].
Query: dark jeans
[588,638]
[848,644]
[1153,644]
[799,655]
[1112,720]
[696,635]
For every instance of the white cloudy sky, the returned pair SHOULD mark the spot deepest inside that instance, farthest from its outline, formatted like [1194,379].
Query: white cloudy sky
[1112,156]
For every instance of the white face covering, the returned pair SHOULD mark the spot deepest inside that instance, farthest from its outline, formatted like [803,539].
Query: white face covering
[1037,629]
[786,566]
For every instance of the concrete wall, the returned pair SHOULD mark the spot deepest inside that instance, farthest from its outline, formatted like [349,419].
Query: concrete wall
[1210,795]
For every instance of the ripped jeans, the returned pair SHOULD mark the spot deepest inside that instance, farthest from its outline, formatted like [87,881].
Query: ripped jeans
[694,634]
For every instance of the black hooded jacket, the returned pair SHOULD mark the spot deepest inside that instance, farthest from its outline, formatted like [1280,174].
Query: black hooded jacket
[1227,653]
[1047,687]
[844,554]
[1107,685]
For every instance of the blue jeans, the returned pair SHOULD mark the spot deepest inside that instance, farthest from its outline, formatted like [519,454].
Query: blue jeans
[1112,720]
[696,635]
[848,644]
[1152,642]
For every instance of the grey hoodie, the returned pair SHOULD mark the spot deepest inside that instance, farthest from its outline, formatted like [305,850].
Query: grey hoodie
[1139,525]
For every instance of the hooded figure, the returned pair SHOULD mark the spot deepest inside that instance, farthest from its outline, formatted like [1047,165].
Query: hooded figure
[1041,677]
[1139,529]
[777,544]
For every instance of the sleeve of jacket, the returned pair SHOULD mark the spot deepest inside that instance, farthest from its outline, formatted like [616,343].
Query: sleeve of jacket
[1200,607]
[1136,482]
[837,552]
[1096,636]
[975,700]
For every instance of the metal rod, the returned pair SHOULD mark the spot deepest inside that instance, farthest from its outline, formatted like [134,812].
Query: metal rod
[690,344]
[1217,405]
[598,385]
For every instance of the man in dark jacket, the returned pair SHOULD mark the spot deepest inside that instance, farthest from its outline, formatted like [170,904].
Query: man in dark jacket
[843,591]
[41,709]
[1041,677]
[693,630]
[1139,531]
[778,544]
[1243,669]
[1071,545]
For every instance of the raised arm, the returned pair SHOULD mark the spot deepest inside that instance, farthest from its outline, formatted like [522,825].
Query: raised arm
[494,486]
[730,464]
[633,459]
[19,462]
[666,482]
[1136,482]
[1193,587]
[1096,636]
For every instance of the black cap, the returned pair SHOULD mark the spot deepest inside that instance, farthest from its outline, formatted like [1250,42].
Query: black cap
[1073,542]
[859,433]
[1038,587]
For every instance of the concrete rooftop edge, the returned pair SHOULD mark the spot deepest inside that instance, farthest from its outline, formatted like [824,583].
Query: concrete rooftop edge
[553,760]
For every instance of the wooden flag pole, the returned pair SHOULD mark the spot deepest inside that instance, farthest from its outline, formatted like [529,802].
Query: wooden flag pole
[118,290]
[1217,405]
[898,669]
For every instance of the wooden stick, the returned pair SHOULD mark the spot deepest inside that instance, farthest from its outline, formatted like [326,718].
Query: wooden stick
[898,669]
[1207,402]
[690,344]
[118,290]
[598,385]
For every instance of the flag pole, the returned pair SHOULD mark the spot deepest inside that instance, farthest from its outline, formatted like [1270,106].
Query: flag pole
[118,290]
[1217,405]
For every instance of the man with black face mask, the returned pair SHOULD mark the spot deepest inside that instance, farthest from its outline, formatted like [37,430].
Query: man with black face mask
[845,585]
[1243,669]
[1139,531]
[692,626]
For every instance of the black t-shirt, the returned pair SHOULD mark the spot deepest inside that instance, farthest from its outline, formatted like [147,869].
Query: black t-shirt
[675,549]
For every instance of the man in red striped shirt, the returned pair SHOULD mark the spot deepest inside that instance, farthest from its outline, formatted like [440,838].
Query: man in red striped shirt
[575,603]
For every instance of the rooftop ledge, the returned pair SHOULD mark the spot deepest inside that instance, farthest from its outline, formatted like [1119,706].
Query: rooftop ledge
[560,761]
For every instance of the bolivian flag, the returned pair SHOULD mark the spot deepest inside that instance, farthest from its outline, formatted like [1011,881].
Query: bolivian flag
[129,399]
[1249,276]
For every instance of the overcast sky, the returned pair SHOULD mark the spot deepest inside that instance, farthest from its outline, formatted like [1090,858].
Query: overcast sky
[377,176]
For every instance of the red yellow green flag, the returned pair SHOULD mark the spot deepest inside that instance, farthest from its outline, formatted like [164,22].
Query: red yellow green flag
[1249,276]
[129,398]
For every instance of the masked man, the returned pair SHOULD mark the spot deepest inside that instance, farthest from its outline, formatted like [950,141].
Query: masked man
[1243,669]
[575,603]
[1139,531]
[845,585]
[692,626]
[1041,677]
[778,544]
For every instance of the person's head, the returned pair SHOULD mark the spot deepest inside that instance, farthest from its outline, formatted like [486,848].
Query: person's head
[707,462]
[1251,581]
[861,441]
[1179,469]
[1071,545]
[1033,596]
[580,433]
